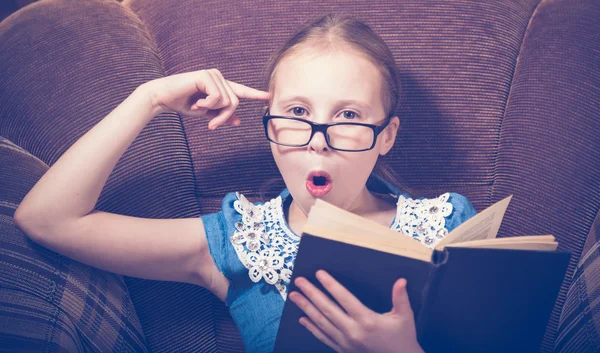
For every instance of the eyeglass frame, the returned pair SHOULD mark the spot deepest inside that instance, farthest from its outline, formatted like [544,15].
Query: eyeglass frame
[316,127]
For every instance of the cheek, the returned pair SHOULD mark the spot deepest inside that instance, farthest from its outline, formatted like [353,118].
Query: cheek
[276,155]
[284,158]
[360,164]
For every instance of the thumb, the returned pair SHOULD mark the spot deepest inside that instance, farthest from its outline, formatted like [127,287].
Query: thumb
[248,92]
[400,301]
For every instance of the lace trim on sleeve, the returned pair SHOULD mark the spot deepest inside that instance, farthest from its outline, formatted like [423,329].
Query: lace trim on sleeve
[423,220]
[263,244]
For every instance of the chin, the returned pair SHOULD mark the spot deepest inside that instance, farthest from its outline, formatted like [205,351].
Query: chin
[329,197]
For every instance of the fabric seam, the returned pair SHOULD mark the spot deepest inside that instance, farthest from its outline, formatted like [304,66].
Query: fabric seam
[512,81]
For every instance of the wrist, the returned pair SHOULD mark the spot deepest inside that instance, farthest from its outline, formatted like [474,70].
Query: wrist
[148,96]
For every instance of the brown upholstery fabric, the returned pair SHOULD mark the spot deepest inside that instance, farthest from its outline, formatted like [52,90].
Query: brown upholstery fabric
[548,149]
[579,325]
[66,65]
[31,324]
[50,302]
[500,97]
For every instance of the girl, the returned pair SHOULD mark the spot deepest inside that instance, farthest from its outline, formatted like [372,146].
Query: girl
[332,97]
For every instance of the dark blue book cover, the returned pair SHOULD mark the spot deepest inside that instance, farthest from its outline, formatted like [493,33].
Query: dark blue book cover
[464,299]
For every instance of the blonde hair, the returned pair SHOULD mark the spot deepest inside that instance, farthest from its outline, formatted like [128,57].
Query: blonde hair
[335,31]
[332,32]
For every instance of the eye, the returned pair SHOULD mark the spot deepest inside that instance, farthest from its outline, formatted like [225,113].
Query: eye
[298,111]
[348,114]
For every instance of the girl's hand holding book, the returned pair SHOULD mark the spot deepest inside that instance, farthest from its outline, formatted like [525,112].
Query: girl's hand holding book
[355,327]
[203,93]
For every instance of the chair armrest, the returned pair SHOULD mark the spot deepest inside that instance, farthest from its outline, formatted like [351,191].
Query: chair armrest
[56,301]
[579,325]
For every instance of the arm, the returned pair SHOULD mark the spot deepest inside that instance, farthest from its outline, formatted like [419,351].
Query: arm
[58,211]
[131,246]
[71,187]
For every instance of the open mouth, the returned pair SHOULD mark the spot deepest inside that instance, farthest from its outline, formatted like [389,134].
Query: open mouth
[318,183]
[319,180]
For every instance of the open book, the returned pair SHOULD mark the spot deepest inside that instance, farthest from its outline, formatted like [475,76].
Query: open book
[472,293]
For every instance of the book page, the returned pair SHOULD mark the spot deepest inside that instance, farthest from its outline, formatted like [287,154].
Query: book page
[513,246]
[483,225]
[331,222]
[531,242]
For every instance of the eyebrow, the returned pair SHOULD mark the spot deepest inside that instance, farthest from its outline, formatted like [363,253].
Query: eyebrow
[339,102]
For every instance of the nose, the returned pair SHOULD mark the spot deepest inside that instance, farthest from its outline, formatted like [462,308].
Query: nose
[317,143]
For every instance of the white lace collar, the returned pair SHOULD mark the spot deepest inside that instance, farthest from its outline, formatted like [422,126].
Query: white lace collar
[267,247]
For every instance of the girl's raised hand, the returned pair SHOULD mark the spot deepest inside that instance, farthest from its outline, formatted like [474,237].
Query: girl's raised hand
[203,93]
[354,327]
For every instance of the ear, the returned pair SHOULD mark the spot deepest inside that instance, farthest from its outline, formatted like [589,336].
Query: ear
[388,135]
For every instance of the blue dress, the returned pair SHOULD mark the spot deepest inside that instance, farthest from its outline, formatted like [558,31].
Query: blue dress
[252,246]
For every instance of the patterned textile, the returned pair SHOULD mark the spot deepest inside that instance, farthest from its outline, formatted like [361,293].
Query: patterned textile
[579,325]
[47,301]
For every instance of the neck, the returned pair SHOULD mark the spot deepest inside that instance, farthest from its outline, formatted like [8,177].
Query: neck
[365,205]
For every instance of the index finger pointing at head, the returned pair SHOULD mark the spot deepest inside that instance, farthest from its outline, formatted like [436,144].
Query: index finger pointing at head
[248,92]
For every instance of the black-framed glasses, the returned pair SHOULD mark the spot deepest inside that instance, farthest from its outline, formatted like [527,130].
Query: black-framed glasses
[342,136]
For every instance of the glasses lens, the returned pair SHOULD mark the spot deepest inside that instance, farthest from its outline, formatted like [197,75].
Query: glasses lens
[296,133]
[350,137]
[288,132]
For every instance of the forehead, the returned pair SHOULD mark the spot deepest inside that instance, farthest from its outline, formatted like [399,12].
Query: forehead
[328,77]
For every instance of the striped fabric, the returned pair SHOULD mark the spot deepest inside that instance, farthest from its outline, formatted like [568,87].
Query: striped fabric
[499,97]
[579,325]
[49,303]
